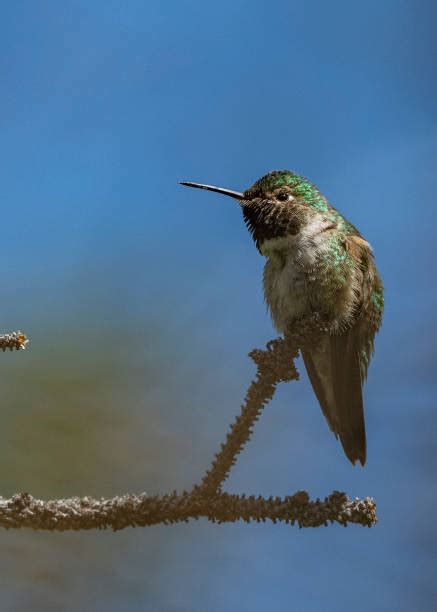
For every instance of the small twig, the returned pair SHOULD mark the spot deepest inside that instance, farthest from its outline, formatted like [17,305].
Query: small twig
[273,366]
[13,341]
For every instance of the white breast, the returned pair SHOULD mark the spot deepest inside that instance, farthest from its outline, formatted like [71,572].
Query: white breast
[287,272]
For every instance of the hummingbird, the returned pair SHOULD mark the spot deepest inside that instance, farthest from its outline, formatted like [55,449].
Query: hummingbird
[318,264]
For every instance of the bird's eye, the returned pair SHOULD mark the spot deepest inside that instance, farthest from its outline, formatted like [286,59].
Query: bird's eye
[283,196]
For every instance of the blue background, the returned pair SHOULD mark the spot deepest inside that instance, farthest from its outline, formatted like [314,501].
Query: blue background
[143,298]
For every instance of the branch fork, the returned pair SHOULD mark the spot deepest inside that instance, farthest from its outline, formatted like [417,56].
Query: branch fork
[275,364]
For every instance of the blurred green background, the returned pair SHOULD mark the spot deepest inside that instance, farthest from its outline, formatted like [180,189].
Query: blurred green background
[142,298]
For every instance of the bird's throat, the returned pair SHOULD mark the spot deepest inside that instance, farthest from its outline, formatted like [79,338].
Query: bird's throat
[266,221]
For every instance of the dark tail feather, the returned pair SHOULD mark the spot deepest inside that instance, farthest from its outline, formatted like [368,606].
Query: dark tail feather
[334,371]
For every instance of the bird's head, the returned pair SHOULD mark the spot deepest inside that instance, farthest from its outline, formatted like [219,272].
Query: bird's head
[279,204]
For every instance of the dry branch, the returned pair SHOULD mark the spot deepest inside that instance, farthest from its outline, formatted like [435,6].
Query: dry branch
[23,510]
[274,365]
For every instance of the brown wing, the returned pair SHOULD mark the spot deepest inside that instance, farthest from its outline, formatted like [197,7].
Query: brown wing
[338,366]
[335,373]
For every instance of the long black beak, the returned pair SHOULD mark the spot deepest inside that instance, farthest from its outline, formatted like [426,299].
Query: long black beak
[228,192]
